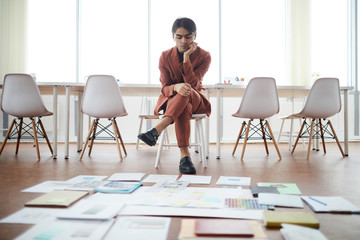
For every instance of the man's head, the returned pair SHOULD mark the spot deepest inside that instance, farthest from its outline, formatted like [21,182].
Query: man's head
[184,33]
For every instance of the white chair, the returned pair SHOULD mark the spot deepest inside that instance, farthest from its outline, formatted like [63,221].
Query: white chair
[199,140]
[324,101]
[102,99]
[21,99]
[260,101]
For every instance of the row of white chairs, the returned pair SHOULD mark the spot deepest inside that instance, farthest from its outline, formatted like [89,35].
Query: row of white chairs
[260,101]
[102,99]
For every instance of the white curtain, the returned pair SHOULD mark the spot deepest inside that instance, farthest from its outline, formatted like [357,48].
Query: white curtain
[12,36]
[299,30]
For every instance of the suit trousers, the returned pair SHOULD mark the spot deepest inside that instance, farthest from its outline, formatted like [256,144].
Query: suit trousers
[180,108]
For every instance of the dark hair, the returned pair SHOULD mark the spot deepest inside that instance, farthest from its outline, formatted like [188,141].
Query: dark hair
[186,23]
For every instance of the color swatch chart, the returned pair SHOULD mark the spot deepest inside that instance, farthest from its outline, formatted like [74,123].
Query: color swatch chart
[244,203]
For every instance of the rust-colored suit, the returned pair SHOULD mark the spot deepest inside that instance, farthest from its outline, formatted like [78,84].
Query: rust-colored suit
[176,106]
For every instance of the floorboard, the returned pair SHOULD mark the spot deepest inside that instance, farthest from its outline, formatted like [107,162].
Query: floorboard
[324,174]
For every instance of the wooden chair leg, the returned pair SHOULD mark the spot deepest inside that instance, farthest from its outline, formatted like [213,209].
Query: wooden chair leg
[34,144]
[273,139]
[140,127]
[280,131]
[303,141]
[113,123]
[7,136]
[297,139]
[336,139]
[93,136]
[35,139]
[264,136]
[238,138]
[310,138]
[19,136]
[45,135]
[120,138]
[291,132]
[87,140]
[122,142]
[322,135]
[245,140]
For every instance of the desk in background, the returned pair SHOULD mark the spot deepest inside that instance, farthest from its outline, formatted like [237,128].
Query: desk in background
[218,90]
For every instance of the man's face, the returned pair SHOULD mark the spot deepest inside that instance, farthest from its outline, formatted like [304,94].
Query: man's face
[183,39]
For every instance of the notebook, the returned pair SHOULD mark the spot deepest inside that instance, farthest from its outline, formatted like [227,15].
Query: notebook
[295,232]
[223,227]
[187,231]
[86,185]
[280,200]
[91,210]
[255,190]
[334,204]
[275,219]
[283,188]
[118,187]
[57,199]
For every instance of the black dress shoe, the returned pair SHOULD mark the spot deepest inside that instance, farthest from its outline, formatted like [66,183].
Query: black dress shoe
[150,137]
[186,166]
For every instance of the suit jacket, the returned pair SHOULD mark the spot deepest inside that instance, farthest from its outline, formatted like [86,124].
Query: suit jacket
[172,71]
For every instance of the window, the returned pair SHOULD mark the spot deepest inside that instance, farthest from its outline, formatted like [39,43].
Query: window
[253,39]
[329,39]
[114,39]
[52,40]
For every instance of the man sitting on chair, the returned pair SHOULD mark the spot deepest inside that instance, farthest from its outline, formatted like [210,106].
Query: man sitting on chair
[182,69]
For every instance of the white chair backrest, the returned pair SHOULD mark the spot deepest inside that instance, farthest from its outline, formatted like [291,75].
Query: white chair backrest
[324,99]
[21,97]
[102,97]
[260,99]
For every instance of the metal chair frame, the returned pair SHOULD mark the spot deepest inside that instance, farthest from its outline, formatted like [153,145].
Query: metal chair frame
[22,130]
[263,131]
[113,135]
[316,130]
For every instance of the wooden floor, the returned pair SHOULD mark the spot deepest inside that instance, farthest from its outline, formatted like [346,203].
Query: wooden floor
[326,175]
